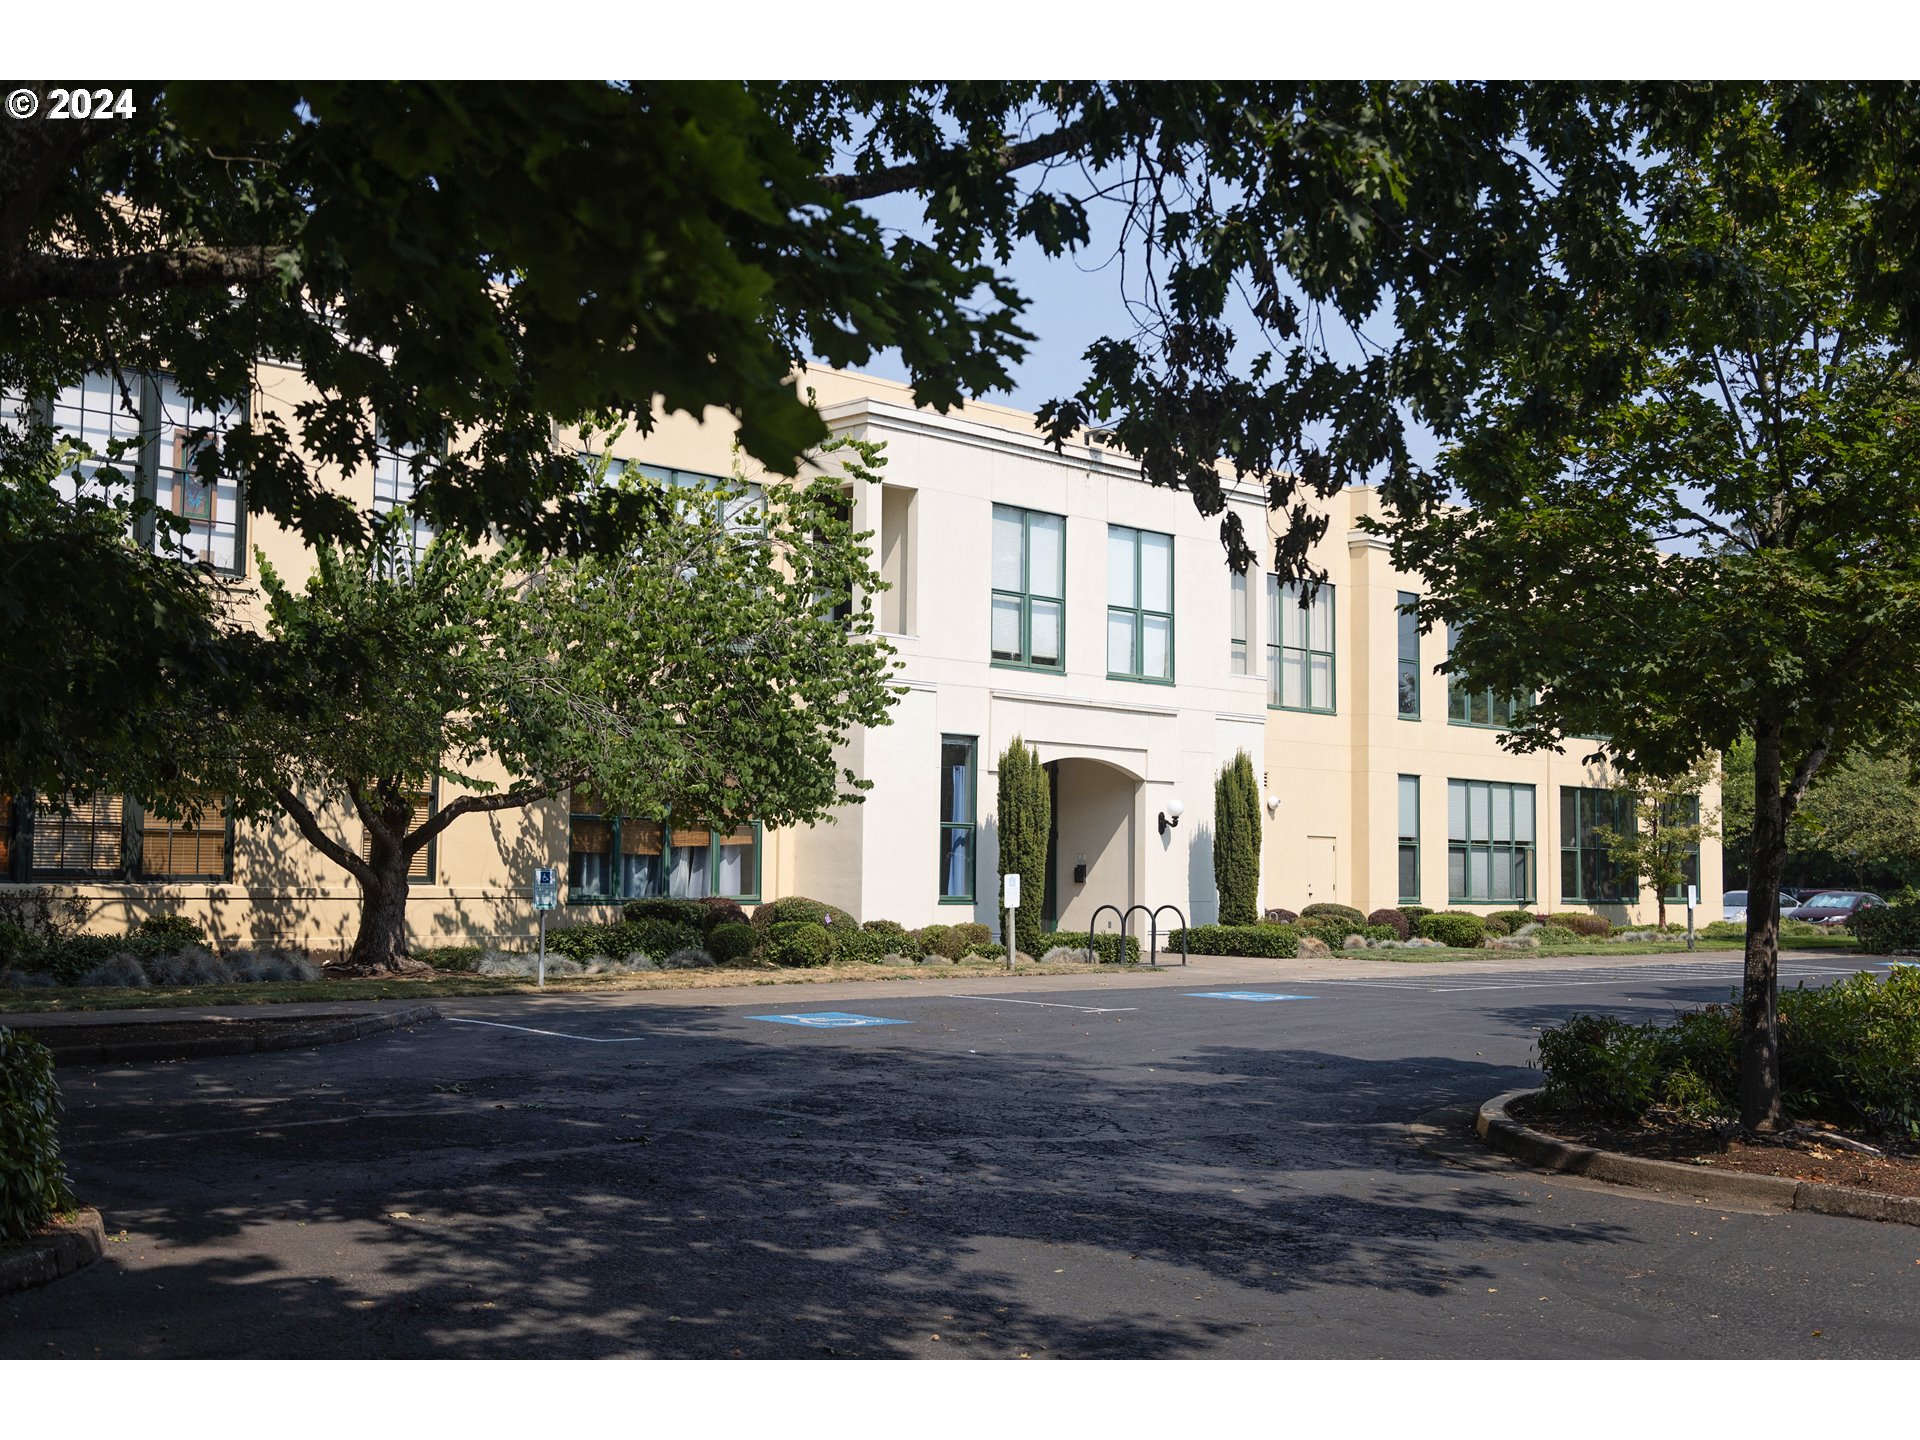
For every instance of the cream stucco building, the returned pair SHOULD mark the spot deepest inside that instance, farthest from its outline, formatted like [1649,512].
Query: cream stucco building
[1049,595]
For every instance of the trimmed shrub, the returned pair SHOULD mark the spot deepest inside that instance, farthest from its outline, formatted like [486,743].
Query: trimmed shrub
[1106,945]
[1582,923]
[720,910]
[861,947]
[941,941]
[450,957]
[797,944]
[175,930]
[1025,802]
[1236,841]
[791,908]
[1373,934]
[1514,919]
[1394,920]
[623,937]
[1886,928]
[1601,1065]
[33,1182]
[1455,928]
[900,940]
[987,950]
[1555,935]
[1496,928]
[1328,910]
[1415,914]
[1279,917]
[1267,942]
[731,943]
[691,913]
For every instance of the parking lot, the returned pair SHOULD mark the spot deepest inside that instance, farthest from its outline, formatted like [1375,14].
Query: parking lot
[1216,1161]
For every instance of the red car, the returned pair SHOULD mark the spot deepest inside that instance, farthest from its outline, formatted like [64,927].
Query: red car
[1834,907]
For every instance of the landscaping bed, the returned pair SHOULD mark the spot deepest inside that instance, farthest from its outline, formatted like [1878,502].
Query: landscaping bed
[1812,1154]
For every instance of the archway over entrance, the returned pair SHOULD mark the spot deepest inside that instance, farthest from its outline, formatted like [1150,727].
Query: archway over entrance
[1093,851]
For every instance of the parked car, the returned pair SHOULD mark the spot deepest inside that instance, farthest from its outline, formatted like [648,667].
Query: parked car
[1733,904]
[1834,907]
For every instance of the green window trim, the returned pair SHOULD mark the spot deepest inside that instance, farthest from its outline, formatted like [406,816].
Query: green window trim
[1409,827]
[1281,656]
[618,893]
[1025,599]
[1478,709]
[1407,689]
[1469,841]
[1240,621]
[1689,815]
[1587,872]
[969,829]
[1140,612]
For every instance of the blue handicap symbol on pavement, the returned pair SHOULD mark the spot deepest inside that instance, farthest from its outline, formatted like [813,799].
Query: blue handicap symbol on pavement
[1241,995]
[829,1020]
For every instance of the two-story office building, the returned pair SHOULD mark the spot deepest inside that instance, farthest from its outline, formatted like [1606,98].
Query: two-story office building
[1048,595]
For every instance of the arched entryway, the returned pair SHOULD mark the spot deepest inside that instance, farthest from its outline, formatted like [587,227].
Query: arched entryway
[1094,847]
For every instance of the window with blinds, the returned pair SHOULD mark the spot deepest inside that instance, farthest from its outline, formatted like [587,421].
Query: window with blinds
[617,857]
[420,865]
[87,840]
[187,849]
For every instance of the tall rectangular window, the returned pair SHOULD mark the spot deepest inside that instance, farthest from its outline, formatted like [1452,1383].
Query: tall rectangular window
[1489,841]
[611,858]
[1409,657]
[1029,588]
[96,412]
[1239,623]
[1587,871]
[1477,707]
[195,848]
[396,476]
[420,863]
[86,842]
[1683,811]
[959,796]
[1409,839]
[1299,648]
[1139,604]
[189,434]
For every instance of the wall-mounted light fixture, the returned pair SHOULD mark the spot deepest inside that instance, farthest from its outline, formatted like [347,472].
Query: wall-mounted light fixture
[1170,816]
[1273,802]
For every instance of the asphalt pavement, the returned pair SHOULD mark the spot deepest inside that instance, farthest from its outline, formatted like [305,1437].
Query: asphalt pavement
[1145,1165]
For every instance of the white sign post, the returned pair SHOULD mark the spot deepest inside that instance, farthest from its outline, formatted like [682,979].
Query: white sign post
[1693,899]
[546,894]
[1006,927]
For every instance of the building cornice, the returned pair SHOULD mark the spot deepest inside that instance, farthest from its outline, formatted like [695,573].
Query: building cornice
[1165,712]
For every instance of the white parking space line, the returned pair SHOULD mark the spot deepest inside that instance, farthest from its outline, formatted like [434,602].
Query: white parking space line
[1721,973]
[556,1034]
[1051,1004]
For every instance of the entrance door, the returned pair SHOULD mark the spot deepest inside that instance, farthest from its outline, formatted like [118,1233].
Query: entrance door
[1321,869]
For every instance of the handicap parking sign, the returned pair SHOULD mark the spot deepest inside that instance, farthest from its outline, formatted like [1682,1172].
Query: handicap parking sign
[829,1020]
[1241,995]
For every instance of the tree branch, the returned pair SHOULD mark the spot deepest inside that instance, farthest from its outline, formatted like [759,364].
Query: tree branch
[1803,774]
[104,277]
[320,840]
[486,804]
[913,176]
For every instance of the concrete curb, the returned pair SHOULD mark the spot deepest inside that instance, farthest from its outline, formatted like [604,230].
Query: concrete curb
[294,1037]
[61,1251]
[1776,1192]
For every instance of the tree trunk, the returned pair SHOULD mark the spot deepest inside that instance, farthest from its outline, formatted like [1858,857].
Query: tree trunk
[1760,1108]
[380,948]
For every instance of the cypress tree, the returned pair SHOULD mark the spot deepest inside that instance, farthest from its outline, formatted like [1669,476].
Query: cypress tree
[1026,814]
[1236,841]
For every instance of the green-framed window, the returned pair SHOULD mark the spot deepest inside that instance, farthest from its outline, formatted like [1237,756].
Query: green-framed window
[1587,871]
[1490,841]
[1481,708]
[1409,876]
[1239,623]
[197,848]
[1685,811]
[611,858]
[1408,656]
[1029,623]
[396,477]
[1300,664]
[959,816]
[86,841]
[1139,605]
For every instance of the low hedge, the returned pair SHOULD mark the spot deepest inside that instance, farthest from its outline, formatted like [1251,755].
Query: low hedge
[1265,941]
[1415,914]
[1455,928]
[33,1183]
[1394,920]
[1582,922]
[618,939]
[1496,928]
[1514,919]
[731,943]
[790,908]
[704,914]
[1849,1054]
[797,944]
[952,942]
[900,940]
[1327,910]
[1106,946]
[1887,928]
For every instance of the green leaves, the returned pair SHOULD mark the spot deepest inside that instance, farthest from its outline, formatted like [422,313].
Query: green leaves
[33,1182]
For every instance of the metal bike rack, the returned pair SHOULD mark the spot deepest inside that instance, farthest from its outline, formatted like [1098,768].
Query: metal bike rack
[1093,925]
[1153,920]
